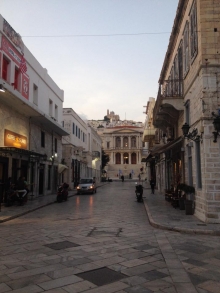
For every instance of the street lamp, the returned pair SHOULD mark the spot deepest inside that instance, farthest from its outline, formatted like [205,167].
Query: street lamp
[190,135]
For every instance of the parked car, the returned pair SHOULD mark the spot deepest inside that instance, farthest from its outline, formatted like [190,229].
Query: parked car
[86,185]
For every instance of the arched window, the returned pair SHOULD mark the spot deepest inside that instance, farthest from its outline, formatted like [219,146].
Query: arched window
[133,142]
[133,158]
[118,142]
[125,142]
[126,158]
[118,158]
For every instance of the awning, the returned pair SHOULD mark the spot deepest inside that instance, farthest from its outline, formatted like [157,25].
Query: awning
[6,151]
[61,168]
[168,146]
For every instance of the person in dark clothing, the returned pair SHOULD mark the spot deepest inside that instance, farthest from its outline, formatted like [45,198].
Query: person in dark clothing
[21,190]
[152,185]
[122,178]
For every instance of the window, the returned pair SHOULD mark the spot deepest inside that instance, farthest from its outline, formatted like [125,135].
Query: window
[5,69]
[108,144]
[56,112]
[133,158]
[193,32]
[133,142]
[50,108]
[35,94]
[125,142]
[17,79]
[73,128]
[83,137]
[126,158]
[55,145]
[42,139]
[76,130]
[79,133]
[118,142]
[180,62]
[118,158]
[49,178]
[186,49]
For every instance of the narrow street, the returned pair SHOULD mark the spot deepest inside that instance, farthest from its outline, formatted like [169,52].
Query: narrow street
[103,243]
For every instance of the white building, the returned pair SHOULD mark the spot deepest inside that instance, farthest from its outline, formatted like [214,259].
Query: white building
[81,149]
[30,116]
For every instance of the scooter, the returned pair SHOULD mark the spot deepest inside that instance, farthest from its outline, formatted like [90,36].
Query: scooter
[62,192]
[139,192]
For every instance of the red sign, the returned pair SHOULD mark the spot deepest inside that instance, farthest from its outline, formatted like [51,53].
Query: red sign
[10,51]
[25,86]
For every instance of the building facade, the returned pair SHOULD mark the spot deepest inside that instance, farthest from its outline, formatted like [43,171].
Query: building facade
[30,117]
[122,142]
[188,100]
[81,149]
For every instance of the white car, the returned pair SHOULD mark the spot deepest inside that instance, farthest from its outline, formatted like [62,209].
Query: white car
[86,185]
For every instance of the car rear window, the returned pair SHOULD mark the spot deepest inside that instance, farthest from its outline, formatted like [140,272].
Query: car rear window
[86,181]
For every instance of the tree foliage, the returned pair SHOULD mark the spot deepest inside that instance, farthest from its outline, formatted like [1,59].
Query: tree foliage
[106,119]
[105,159]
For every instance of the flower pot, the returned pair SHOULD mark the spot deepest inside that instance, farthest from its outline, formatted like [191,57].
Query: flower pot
[189,207]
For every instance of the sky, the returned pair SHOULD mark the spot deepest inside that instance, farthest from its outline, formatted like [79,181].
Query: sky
[104,54]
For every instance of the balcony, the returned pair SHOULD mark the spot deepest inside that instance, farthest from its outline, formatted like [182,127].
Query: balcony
[149,134]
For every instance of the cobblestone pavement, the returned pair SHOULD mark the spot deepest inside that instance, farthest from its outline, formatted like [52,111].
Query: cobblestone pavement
[103,243]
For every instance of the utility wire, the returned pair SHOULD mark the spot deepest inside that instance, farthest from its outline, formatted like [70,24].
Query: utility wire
[96,35]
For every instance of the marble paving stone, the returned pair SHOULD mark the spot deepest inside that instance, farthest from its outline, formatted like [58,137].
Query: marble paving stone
[132,263]
[25,282]
[4,288]
[210,286]
[79,287]
[138,270]
[57,290]
[138,289]
[36,271]
[159,284]
[179,275]
[29,289]
[153,275]
[185,288]
[110,288]
[134,280]
[63,273]
[59,282]
[159,264]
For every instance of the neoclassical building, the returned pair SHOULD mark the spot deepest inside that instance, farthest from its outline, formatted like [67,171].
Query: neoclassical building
[123,144]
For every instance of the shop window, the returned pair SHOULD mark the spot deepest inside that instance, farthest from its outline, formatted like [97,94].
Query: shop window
[42,139]
[5,69]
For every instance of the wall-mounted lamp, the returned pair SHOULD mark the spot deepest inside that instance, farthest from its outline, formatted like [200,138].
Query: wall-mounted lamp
[190,135]
[216,123]
[2,88]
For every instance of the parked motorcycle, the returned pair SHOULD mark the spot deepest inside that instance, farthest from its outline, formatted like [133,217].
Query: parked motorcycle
[139,192]
[62,192]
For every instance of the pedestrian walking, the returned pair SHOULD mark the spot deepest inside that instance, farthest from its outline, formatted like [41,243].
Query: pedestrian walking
[152,185]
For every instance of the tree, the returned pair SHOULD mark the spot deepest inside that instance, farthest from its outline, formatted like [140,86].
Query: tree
[105,159]
[106,119]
